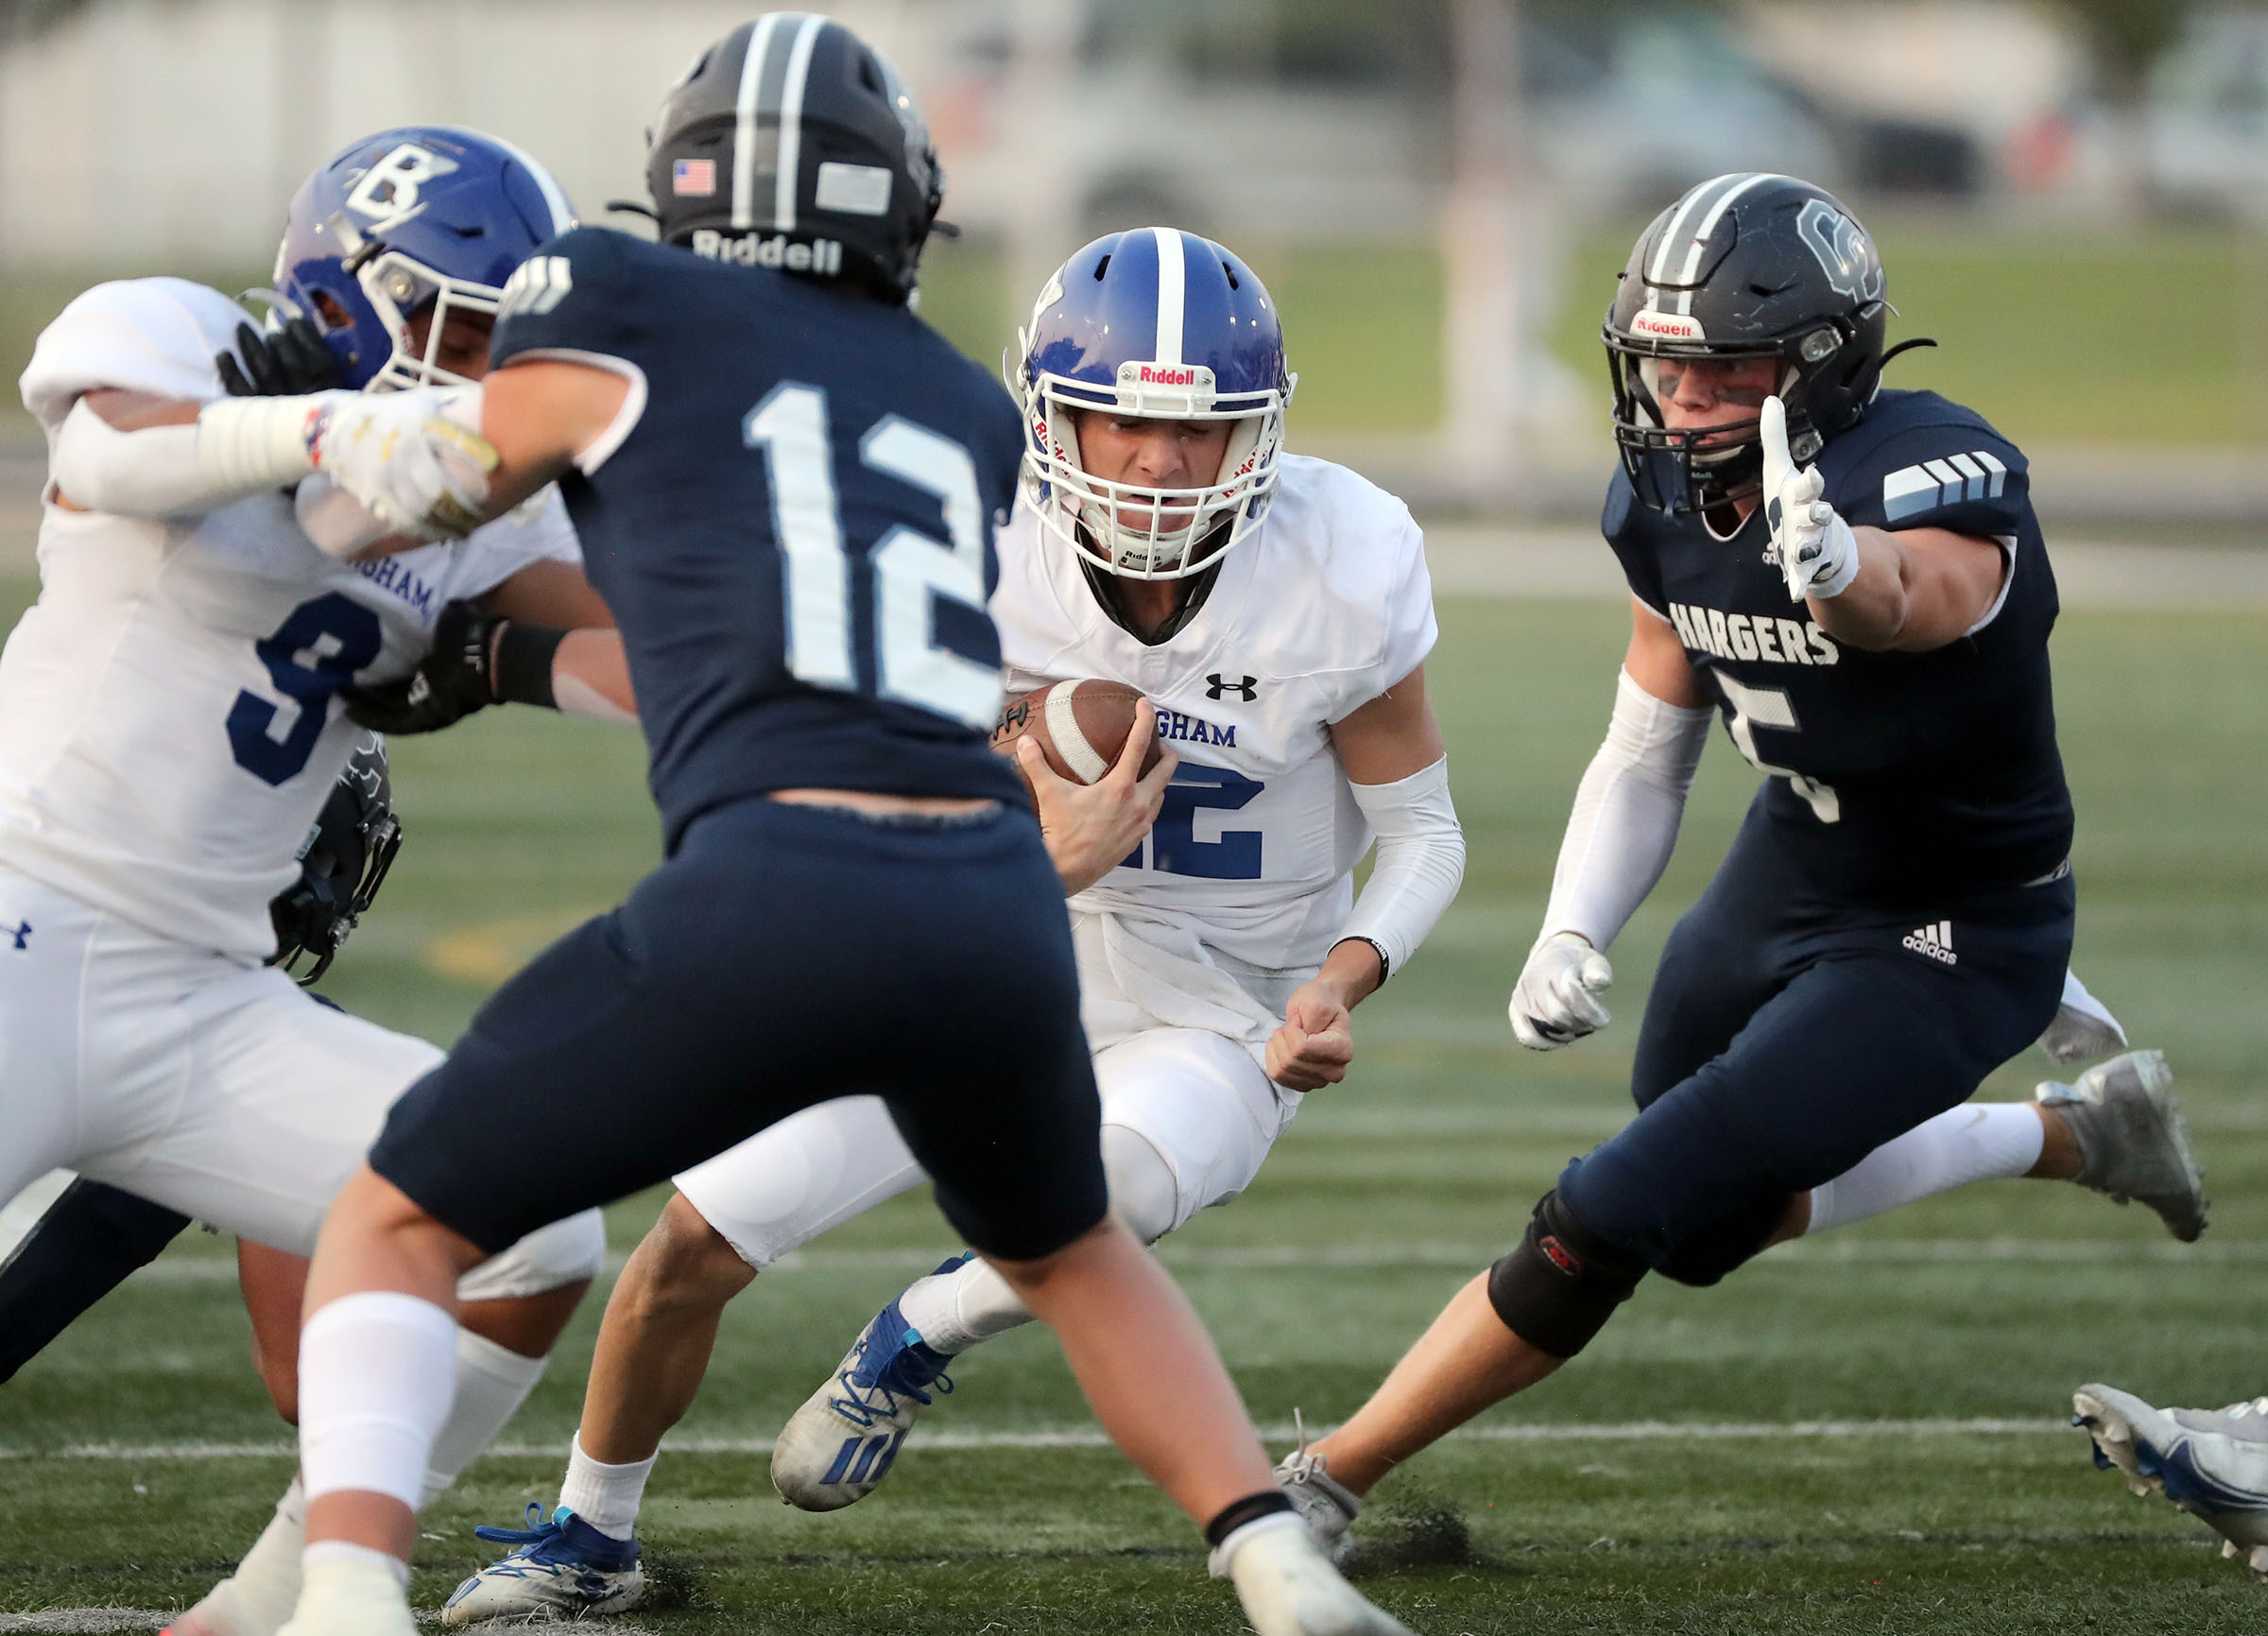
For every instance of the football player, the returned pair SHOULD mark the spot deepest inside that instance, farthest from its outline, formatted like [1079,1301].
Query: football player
[94,1235]
[169,733]
[1278,611]
[786,486]
[1853,578]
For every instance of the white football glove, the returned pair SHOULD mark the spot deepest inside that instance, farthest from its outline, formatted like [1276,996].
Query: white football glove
[1811,547]
[414,468]
[1553,1005]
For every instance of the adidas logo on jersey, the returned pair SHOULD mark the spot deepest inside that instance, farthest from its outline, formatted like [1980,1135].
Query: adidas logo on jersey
[821,255]
[1756,636]
[1935,940]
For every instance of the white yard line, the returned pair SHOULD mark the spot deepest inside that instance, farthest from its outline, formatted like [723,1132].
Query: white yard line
[1090,1437]
[1340,1258]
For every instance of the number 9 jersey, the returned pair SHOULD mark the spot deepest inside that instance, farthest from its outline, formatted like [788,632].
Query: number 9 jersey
[167,726]
[1900,778]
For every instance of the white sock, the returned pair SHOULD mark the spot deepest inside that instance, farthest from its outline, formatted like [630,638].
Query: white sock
[1975,1142]
[358,1560]
[261,1593]
[492,1384]
[377,1372]
[952,1311]
[605,1496]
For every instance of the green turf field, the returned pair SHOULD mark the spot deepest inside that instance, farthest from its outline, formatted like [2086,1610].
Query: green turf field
[1571,1515]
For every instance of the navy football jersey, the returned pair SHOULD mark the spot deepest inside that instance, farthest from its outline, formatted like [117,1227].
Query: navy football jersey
[1900,776]
[791,522]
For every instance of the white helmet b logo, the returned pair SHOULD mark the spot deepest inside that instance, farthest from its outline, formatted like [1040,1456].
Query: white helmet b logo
[389,190]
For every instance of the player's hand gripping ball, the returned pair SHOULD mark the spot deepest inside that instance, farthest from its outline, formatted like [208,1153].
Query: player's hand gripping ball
[1556,1000]
[414,468]
[1811,547]
[1089,755]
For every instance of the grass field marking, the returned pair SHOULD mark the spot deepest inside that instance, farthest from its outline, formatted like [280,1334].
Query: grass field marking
[1364,1257]
[1090,1437]
[486,952]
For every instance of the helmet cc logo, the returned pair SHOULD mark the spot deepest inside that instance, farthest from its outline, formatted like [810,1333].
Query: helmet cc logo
[1843,253]
[389,190]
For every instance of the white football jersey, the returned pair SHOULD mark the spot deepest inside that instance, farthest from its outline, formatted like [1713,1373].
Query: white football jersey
[168,721]
[1319,612]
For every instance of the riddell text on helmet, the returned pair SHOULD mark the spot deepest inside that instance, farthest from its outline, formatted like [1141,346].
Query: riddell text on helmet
[821,255]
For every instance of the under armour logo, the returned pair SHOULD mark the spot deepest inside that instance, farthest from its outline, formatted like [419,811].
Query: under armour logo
[21,932]
[1247,690]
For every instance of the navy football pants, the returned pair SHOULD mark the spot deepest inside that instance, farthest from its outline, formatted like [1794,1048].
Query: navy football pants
[785,956]
[1789,1035]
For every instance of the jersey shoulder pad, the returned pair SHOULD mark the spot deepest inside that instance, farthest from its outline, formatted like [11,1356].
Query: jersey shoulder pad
[154,335]
[1624,523]
[575,294]
[1367,556]
[1924,463]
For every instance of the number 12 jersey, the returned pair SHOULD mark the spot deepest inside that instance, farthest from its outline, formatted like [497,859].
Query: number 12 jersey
[791,518]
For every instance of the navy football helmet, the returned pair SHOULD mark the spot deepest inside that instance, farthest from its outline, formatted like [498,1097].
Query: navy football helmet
[791,143]
[342,864]
[1160,324]
[425,215]
[1748,266]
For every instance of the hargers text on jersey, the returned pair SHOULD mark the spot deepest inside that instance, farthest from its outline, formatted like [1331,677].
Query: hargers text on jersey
[1753,636]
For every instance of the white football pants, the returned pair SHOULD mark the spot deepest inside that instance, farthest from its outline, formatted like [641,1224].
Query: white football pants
[1200,1100]
[221,1091]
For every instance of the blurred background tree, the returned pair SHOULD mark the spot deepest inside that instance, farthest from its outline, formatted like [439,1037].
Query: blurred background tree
[2129,36]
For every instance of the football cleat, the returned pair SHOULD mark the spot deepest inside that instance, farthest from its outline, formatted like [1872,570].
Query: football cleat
[1327,1506]
[2132,1140]
[1289,1588]
[836,1450]
[561,1568]
[2212,1463]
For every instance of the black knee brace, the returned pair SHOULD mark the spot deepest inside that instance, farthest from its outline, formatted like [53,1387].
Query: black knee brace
[1563,1282]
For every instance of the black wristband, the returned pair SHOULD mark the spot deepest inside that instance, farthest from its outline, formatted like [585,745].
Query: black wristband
[1249,1509]
[522,673]
[1385,967]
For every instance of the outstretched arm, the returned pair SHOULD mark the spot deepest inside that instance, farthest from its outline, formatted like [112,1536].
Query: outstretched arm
[1618,837]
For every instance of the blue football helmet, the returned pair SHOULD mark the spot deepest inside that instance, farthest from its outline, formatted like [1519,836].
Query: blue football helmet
[427,214]
[1160,324]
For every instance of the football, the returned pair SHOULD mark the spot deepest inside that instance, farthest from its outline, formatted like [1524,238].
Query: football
[1081,726]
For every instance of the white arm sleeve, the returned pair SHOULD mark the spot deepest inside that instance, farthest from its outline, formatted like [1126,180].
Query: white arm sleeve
[1625,824]
[236,447]
[1420,863]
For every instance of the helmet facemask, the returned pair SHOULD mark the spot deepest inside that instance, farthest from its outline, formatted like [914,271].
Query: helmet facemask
[1135,530]
[1692,469]
[398,286]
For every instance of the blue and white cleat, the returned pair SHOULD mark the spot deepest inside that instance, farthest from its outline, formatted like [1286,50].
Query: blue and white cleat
[562,1567]
[836,1450]
[2212,1463]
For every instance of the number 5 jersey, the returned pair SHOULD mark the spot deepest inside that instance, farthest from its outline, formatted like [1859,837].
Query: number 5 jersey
[169,729]
[1900,778]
